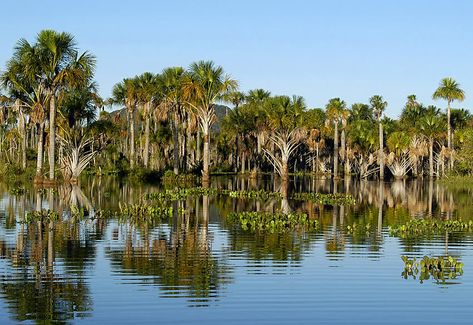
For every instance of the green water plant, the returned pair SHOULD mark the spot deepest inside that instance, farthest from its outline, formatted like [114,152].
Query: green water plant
[144,212]
[426,227]
[440,268]
[326,199]
[252,194]
[179,193]
[272,222]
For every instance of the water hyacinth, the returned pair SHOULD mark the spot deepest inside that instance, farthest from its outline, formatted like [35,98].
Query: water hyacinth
[272,222]
[423,227]
[144,212]
[326,199]
[440,268]
[179,193]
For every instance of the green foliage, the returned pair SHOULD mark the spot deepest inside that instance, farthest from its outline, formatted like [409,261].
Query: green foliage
[465,164]
[272,222]
[179,194]
[143,212]
[439,268]
[252,194]
[428,227]
[326,199]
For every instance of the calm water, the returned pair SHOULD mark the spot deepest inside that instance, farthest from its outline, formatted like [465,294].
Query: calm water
[200,269]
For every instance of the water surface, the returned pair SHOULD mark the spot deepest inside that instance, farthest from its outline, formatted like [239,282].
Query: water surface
[199,268]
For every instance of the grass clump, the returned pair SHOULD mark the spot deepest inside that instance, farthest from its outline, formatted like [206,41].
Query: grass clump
[179,193]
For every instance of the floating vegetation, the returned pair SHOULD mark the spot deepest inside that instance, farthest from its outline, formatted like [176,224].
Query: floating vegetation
[143,212]
[252,194]
[180,193]
[41,216]
[358,228]
[326,199]
[439,268]
[18,190]
[423,227]
[272,222]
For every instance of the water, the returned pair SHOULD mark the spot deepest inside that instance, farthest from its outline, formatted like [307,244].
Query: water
[201,269]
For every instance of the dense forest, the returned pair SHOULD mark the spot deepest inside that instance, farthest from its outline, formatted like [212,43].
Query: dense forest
[54,125]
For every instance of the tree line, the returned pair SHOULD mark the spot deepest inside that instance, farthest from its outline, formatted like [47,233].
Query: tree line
[177,120]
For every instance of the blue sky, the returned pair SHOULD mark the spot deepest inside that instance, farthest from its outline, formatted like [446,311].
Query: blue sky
[317,49]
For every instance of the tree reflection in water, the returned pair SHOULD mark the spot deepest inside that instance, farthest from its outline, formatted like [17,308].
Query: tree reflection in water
[178,258]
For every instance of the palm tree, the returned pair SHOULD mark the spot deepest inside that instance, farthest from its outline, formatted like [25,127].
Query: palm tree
[148,94]
[127,93]
[449,90]
[22,82]
[205,85]
[431,125]
[285,118]
[379,105]
[172,84]
[59,65]
[335,108]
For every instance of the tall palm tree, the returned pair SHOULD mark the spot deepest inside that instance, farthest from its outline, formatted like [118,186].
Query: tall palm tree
[449,90]
[335,110]
[172,80]
[203,87]
[285,118]
[147,95]
[379,105]
[21,80]
[127,93]
[431,125]
[58,65]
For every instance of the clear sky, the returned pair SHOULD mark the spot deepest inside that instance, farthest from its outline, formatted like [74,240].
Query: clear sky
[317,49]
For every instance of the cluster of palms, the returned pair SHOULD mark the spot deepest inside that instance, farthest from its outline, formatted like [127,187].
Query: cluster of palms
[170,116]
[359,137]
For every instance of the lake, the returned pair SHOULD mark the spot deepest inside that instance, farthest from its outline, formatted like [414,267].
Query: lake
[199,268]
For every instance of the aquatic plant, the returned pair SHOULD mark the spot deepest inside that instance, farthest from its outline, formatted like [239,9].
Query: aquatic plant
[272,222]
[422,227]
[439,268]
[326,199]
[144,212]
[42,216]
[179,193]
[357,228]
[252,194]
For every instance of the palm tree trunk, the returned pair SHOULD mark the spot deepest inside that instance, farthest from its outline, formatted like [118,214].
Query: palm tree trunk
[381,149]
[335,151]
[39,157]
[206,132]
[449,133]
[431,157]
[146,149]
[132,139]
[197,146]
[52,135]
[175,139]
